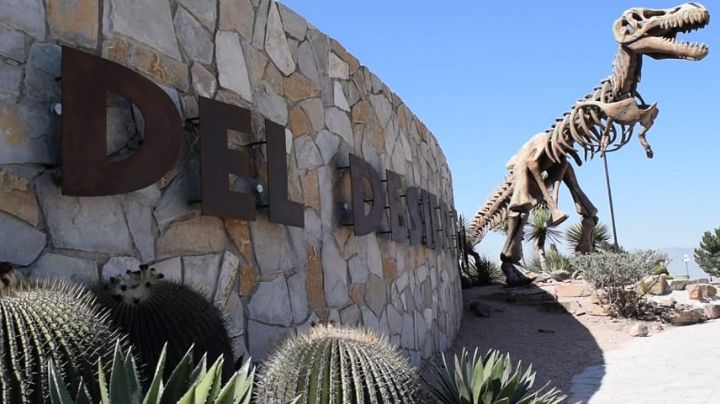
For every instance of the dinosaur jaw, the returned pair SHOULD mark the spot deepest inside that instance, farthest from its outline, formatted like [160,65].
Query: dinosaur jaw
[653,32]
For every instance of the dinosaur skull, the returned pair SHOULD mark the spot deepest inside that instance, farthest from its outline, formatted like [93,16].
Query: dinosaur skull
[652,32]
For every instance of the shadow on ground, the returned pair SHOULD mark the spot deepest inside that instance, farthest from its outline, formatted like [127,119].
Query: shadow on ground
[533,328]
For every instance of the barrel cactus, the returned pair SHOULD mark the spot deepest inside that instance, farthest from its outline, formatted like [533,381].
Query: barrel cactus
[154,310]
[337,365]
[45,320]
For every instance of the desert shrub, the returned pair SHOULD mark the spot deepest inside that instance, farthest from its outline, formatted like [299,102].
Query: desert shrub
[661,270]
[616,275]
[613,248]
[554,261]
[488,379]
[707,255]
[482,271]
[534,265]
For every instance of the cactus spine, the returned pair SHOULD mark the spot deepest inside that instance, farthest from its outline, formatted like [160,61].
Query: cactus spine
[43,320]
[153,310]
[337,365]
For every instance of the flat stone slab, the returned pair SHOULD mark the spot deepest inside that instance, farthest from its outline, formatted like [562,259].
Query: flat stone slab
[672,359]
[572,290]
[21,243]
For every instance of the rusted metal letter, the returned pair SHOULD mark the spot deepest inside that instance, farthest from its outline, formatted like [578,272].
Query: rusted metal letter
[86,169]
[427,208]
[218,162]
[361,171]
[398,217]
[445,220]
[282,209]
[413,199]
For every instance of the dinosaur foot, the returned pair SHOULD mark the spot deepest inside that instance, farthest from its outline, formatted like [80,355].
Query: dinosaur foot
[513,276]
[556,217]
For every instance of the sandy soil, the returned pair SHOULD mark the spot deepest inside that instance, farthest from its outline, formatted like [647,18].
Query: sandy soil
[559,345]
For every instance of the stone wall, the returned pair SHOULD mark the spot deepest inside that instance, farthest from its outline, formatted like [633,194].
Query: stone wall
[260,55]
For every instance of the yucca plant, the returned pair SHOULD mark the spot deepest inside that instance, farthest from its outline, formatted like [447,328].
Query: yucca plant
[155,311]
[600,236]
[336,365]
[188,383]
[482,272]
[487,380]
[45,320]
[538,231]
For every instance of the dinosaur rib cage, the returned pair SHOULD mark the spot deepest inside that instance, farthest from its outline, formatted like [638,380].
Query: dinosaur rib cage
[587,126]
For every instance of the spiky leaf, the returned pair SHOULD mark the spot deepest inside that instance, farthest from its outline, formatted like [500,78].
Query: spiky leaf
[187,385]
[488,379]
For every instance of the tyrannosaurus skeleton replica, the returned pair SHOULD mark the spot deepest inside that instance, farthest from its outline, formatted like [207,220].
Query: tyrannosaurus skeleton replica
[594,123]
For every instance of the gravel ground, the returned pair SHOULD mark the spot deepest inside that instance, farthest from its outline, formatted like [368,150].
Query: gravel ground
[566,345]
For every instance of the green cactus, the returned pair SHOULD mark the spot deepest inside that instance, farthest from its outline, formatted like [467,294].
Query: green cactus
[49,320]
[337,365]
[153,310]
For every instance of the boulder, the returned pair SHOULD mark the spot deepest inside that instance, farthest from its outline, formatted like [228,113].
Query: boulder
[572,290]
[639,330]
[712,311]
[529,296]
[539,278]
[560,275]
[480,309]
[656,327]
[684,316]
[670,302]
[655,285]
[594,309]
[678,284]
[572,306]
[710,291]
[696,291]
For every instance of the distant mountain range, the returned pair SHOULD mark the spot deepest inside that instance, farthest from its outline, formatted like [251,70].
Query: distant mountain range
[677,265]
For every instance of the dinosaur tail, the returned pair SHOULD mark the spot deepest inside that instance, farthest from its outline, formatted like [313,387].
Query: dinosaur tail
[493,213]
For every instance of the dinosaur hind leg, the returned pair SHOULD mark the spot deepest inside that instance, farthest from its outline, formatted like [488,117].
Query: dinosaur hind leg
[557,216]
[585,208]
[512,250]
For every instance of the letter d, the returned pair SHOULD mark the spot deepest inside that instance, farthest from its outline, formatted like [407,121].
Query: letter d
[86,169]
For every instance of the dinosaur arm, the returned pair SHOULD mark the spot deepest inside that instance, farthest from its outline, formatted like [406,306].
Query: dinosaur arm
[625,112]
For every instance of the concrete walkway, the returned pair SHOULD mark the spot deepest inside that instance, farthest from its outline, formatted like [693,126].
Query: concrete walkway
[680,365]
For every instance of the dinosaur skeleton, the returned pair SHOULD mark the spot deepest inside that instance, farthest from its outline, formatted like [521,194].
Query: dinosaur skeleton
[601,122]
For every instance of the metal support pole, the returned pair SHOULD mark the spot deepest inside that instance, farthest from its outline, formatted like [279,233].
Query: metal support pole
[612,209]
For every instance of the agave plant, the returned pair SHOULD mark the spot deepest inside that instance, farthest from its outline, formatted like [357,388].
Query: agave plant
[155,311]
[187,384]
[336,365]
[487,380]
[48,319]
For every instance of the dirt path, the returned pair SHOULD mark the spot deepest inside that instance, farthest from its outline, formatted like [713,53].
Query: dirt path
[559,345]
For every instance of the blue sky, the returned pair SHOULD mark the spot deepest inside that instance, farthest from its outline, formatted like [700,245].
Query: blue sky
[486,76]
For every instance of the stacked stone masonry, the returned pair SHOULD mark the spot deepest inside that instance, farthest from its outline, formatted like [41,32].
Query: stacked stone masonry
[258,54]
